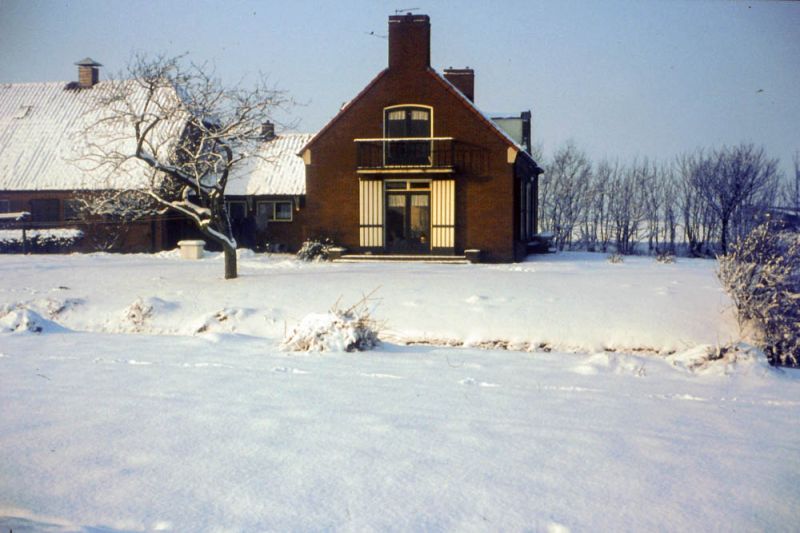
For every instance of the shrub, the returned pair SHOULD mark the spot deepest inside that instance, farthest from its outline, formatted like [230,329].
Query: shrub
[615,258]
[338,330]
[56,240]
[761,272]
[315,250]
[665,257]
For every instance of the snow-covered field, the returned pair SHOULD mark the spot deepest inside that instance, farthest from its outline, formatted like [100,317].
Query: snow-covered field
[155,397]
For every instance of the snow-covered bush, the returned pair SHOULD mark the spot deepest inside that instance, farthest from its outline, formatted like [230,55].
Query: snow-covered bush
[338,330]
[39,240]
[615,258]
[665,257]
[18,318]
[138,313]
[761,272]
[315,250]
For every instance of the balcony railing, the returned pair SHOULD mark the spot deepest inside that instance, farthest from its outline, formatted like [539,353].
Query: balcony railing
[420,154]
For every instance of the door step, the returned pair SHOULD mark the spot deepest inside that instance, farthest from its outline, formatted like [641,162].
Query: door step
[394,258]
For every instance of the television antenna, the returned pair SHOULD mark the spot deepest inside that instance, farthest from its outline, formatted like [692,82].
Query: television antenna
[405,10]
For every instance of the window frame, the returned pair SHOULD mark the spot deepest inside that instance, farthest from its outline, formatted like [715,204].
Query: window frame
[37,212]
[408,109]
[230,203]
[274,211]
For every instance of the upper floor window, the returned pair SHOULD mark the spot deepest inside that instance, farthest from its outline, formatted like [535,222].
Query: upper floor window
[407,122]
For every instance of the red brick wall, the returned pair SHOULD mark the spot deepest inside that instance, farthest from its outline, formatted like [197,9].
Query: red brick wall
[142,236]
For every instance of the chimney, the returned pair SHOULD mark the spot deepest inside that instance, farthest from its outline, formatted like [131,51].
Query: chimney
[409,42]
[88,73]
[463,79]
[526,130]
[267,131]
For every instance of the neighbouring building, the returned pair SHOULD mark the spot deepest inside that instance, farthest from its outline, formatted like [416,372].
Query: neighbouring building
[266,198]
[42,175]
[41,127]
[411,166]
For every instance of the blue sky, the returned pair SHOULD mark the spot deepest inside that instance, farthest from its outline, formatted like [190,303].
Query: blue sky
[622,79]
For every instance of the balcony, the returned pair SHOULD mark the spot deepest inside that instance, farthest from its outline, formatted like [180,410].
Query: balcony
[419,155]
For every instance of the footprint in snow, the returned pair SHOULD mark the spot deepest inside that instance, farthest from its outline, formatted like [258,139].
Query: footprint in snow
[206,365]
[287,370]
[473,382]
[685,397]
[380,376]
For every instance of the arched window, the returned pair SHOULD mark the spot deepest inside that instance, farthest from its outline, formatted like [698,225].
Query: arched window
[407,121]
[404,128]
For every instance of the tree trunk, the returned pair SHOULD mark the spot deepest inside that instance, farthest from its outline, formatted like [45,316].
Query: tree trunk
[230,262]
[229,253]
[724,236]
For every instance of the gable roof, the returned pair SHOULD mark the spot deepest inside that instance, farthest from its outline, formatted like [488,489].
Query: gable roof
[42,130]
[481,115]
[345,108]
[466,102]
[276,170]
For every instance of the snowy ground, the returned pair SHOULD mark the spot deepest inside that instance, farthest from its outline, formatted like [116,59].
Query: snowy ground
[155,398]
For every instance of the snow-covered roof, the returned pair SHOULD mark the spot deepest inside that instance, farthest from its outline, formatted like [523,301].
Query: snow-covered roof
[277,169]
[41,135]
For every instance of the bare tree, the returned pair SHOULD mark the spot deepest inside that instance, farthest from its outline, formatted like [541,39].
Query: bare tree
[652,198]
[791,189]
[605,175]
[189,130]
[566,185]
[732,179]
[626,207]
[669,209]
[699,223]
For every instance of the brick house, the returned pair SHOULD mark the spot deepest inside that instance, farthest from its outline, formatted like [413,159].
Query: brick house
[411,166]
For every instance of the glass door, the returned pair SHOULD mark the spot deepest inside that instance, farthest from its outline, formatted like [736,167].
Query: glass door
[408,222]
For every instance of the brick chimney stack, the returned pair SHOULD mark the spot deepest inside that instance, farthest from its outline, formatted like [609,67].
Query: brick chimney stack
[463,79]
[88,73]
[409,42]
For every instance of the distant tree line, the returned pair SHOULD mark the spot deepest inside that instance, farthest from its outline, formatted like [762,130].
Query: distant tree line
[694,205]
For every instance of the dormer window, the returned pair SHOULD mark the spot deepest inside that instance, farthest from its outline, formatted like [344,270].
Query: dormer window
[406,129]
